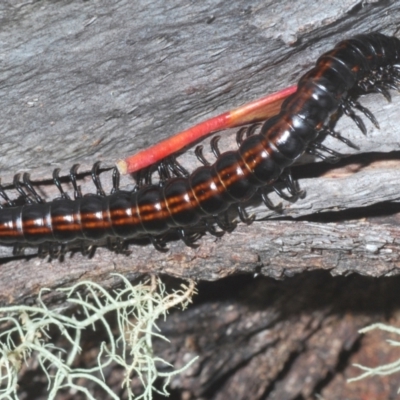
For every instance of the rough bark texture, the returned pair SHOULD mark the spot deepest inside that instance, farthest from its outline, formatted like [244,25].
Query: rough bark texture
[88,81]
[82,82]
[258,338]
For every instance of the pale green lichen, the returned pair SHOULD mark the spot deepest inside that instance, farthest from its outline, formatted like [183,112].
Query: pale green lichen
[386,369]
[137,307]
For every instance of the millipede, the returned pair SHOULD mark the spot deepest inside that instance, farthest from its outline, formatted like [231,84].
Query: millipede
[182,200]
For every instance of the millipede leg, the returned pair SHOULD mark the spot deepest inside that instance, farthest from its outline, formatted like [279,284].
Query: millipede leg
[244,217]
[57,183]
[314,149]
[390,78]
[43,250]
[118,246]
[268,203]
[240,136]
[290,185]
[87,249]
[344,140]
[28,184]
[163,172]
[214,146]
[96,179]
[383,91]
[169,168]
[210,228]
[282,195]
[393,85]
[115,180]
[246,131]
[350,113]
[395,78]
[365,111]
[252,129]
[381,83]
[143,178]
[4,195]
[198,151]
[158,244]
[146,177]
[223,222]
[54,251]
[189,240]
[336,156]
[18,249]
[72,174]
[63,250]
[18,186]
[177,169]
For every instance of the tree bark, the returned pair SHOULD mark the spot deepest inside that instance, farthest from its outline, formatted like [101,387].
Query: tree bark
[87,81]
[101,81]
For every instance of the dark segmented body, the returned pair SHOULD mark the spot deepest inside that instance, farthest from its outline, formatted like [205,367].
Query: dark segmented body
[234,177]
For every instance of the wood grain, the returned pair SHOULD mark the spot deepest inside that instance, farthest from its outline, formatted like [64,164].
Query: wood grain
[81,82]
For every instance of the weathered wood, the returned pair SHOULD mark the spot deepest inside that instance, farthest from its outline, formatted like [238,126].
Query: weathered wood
[93,82]
[258,338]
[87,81]
[83,82]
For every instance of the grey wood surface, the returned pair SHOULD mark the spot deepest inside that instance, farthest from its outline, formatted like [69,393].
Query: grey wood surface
[88,81]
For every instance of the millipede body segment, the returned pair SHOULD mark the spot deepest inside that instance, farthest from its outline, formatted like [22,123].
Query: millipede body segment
[364,63]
